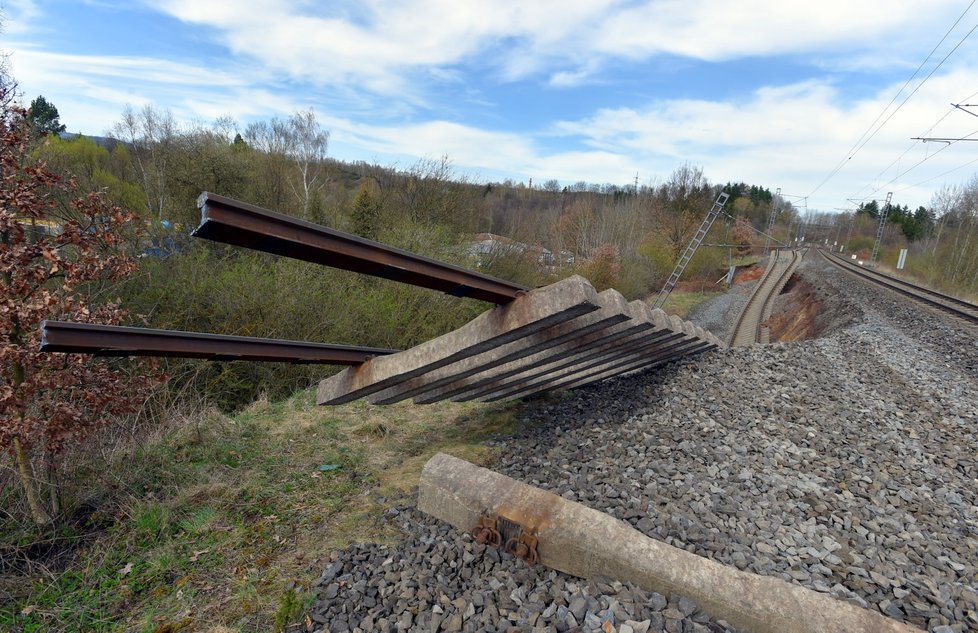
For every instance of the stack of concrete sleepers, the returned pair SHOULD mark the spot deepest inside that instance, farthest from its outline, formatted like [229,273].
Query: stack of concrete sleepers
[561,336]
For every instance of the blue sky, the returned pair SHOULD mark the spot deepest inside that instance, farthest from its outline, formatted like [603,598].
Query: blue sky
[770,93]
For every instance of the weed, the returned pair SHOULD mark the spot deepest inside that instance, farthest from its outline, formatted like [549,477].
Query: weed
[222,516]
[291,605]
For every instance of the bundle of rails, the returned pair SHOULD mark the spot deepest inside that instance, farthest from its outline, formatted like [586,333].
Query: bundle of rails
[557,337]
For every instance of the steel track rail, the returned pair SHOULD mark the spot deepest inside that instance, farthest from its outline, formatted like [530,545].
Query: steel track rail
[114,340]
[763,331]
[957,307]
[748,328]
[241,224]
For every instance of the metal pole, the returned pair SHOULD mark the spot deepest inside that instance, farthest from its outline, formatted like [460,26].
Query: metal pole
[879,232]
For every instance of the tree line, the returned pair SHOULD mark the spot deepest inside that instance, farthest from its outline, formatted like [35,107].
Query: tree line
[152,168]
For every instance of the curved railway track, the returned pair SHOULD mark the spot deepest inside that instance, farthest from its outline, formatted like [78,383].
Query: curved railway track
[966,311]
[749,328]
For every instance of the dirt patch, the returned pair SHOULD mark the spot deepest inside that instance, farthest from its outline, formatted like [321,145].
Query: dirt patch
[748,273]
[796,314]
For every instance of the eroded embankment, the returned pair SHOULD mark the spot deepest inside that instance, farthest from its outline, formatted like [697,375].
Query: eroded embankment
[806,309]
[797,314]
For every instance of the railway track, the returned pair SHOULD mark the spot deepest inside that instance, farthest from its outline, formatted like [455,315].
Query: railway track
[750,328]
[964,310]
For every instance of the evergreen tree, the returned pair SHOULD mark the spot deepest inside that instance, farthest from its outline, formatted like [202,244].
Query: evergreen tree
[366,211]
[44,118]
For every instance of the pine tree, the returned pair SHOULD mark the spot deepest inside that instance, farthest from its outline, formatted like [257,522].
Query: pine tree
[44,117]
[366,211]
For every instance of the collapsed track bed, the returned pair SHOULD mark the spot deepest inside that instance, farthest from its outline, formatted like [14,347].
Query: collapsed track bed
[846,464]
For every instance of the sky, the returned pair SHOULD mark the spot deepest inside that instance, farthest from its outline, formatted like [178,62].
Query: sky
[819,99]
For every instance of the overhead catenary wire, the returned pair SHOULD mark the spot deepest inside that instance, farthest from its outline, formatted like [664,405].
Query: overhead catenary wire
[905,152]
[864,139]
[916,165]
[949,171]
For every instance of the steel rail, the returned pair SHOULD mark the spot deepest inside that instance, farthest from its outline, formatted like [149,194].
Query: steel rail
[953,305]
[763,331]
[114,340]
[748,329]
[745,331]
[238,223]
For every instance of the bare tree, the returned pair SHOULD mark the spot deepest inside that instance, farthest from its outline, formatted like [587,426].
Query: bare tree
[683,200]
[302,142]
[309,144]
[150,134]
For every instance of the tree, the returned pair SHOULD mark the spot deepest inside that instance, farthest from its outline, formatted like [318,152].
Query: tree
[54,247]
[871,208]
[366,210]
[301,141]
[150,133]
[603,268]
[44,117]
[683,202]
[742,235]
[8,87]
[308,152]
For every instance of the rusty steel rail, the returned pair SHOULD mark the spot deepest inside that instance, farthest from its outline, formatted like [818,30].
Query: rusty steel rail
[114,340]
[241,224]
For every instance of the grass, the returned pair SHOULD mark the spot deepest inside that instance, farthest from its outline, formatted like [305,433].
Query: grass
[227,520]
[681,303]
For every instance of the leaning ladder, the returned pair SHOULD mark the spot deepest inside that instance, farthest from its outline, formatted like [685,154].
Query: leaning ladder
[691,249]
[879,231]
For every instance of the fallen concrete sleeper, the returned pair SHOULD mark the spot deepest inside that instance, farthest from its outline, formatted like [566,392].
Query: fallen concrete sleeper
[583,542]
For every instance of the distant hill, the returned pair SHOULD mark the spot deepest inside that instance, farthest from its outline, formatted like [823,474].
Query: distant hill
[103,141]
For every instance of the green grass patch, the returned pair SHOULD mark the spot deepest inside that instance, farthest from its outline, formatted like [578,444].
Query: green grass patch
[682,303]
[223,523]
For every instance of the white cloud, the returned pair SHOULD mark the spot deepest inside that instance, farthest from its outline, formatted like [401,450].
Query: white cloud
[713,31]
[379,44]
[18,16]
[790,136]
[91,90]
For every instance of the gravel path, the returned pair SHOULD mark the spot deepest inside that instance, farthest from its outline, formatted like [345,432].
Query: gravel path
[846,464]
[715,314]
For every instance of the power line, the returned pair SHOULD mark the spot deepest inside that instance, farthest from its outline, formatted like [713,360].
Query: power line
[922,82]
[941,139]
[860,143]
[923,182]
[906,151]
[917,164]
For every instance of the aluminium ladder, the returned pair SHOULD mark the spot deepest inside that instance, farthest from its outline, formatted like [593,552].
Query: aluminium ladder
[691,249]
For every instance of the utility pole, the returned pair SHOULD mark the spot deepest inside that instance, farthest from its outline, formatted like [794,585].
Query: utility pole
[770,221]
[852,222]
[879,232]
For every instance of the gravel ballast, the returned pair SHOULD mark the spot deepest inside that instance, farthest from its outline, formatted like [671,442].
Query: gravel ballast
[439,579]
[846,464]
